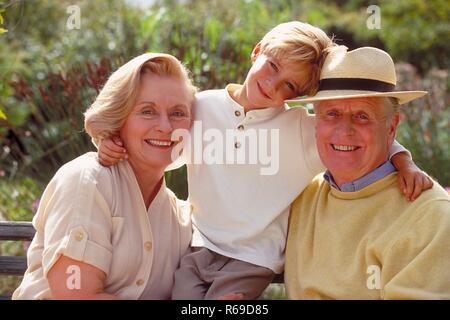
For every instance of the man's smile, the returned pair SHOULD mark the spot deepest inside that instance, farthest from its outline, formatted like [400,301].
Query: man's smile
[340,147]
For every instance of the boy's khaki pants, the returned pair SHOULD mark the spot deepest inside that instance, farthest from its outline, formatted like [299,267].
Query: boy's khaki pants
[204,274]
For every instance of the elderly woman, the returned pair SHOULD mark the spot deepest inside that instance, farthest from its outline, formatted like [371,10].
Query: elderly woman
[118,232]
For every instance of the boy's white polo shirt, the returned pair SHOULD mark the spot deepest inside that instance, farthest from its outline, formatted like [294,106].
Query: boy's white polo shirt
[237,211]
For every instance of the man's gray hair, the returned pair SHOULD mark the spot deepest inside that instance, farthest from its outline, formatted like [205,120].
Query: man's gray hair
[392,107]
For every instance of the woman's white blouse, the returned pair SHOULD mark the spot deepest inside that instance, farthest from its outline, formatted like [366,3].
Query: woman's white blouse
[97,215]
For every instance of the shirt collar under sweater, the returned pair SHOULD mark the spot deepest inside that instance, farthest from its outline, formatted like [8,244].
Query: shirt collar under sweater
[368,191]
[366,180]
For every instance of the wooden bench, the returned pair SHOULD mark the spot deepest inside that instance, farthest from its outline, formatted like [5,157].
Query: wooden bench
[14,231]
[24,231]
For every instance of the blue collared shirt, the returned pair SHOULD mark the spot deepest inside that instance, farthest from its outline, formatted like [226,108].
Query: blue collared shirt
[372,177]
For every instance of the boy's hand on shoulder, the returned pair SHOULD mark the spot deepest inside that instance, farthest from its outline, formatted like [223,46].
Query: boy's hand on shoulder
[111,151]
[413,181]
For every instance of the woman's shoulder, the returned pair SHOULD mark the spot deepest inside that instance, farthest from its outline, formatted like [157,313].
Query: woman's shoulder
[83,171]
[75,185]
[87,160]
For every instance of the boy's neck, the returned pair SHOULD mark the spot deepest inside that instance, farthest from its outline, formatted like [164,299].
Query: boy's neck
[238,94]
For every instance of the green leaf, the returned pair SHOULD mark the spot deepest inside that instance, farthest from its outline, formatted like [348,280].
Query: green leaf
[2,30]
[2,115]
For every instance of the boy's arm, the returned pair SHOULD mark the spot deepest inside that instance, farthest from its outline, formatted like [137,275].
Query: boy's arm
[411,180]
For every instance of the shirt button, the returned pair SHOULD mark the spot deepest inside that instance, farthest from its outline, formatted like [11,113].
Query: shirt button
[140,282]
[241,128]
[148,246]
[79,236]
[237,113]
[237,145]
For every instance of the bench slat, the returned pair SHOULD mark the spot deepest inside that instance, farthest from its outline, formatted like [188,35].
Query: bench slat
[11,265]
[13,230]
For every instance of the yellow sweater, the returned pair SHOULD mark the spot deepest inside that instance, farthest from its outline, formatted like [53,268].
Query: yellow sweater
[368,244]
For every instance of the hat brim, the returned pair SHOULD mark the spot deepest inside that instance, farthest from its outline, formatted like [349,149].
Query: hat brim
[402,96]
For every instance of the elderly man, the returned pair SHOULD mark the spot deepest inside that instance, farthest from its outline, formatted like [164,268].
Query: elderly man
[352,235]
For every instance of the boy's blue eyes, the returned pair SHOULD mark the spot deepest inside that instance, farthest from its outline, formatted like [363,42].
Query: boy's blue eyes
[290,86]
[274,66]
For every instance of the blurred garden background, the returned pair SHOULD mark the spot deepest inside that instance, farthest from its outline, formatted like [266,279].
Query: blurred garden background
[52,65]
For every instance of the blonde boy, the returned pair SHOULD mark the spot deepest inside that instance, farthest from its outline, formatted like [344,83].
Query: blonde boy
[240,215]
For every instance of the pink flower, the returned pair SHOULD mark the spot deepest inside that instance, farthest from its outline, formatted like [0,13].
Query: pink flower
[35,205]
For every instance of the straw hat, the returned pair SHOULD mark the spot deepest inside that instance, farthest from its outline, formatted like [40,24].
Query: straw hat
[363,72]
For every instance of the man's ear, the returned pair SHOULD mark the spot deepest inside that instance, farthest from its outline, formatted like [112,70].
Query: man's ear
[393,127]
[256,51]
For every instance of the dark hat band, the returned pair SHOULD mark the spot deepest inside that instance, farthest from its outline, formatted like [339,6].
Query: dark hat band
[355,84]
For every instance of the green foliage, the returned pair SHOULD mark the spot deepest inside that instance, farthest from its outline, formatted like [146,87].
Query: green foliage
[274,291]
[425,125]
[50,74]
[2,30]
[45,129]
[39,41]
[176,180]
[416,30]
[19,199]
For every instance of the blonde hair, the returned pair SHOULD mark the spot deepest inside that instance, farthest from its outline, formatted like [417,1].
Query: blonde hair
[104,118]
[300,43]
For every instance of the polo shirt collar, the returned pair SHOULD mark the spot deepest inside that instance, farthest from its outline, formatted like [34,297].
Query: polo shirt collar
[256,114]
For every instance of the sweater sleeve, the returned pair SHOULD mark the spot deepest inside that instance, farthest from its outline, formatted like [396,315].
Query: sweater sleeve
[417,266]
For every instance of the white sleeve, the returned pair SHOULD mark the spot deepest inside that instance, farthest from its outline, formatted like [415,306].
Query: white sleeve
[75,220]
[396,148]
[308,132]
